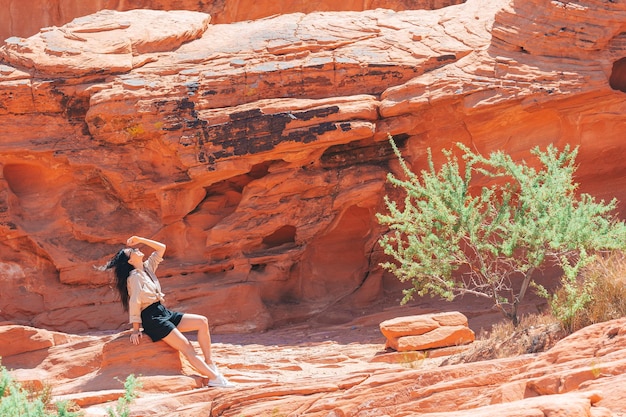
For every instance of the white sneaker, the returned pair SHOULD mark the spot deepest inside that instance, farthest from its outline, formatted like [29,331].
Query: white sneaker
[220,382]
[213,368]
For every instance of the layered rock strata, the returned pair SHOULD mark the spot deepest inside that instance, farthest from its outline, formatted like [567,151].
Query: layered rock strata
[257,151]
[582,375]
[18,18]
[427,331]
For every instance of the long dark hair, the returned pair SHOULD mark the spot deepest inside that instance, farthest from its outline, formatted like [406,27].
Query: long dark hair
[122,271]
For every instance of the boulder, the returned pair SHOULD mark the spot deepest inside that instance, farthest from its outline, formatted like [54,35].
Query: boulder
[19,339]
[146,358]
[427,331]
[16,339]
[156,365]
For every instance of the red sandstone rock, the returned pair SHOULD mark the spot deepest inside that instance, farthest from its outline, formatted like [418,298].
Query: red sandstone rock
[19,20]
[108,41]
[444,336]
[15,340]
[257,150]
[314,371]
[427,331]
[405,326]
[417,325]
[158,358]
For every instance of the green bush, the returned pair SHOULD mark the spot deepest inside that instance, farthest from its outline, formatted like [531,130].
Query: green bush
[15,401]
[597,295]
[450,237]
[122,408]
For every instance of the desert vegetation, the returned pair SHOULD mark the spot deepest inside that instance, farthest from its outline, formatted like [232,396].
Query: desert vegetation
[534,333]
[17,400]
[605,276]
[450,237]
[597,294]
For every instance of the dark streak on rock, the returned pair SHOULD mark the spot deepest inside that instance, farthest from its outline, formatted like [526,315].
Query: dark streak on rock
[360,152]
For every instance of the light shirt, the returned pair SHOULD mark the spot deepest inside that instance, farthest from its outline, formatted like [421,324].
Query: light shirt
[144,288]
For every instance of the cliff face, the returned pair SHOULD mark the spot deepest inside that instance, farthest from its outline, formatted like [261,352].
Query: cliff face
[257,150]
[18,19]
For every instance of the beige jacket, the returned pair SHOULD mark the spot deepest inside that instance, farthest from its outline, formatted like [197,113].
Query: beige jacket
[144,288]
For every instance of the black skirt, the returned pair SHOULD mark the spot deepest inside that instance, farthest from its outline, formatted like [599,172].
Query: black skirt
[158,321]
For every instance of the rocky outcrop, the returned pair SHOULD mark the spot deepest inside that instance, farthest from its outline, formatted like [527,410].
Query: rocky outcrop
[108,42]
[258,150]
[18,19]
[335,371]
[16,340]
[427,331]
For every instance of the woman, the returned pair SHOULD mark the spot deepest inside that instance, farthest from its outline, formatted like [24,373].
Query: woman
[140,294]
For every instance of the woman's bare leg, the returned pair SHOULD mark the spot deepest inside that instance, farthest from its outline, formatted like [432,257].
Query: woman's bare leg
[179,342]
[200,324]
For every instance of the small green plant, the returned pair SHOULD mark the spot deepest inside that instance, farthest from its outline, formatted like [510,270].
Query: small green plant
[68,409]
[5,381]
[595,295]
[122,408]
[451,237]
[16,401]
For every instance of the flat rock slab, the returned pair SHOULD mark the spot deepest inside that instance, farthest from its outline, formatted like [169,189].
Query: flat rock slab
[427,331]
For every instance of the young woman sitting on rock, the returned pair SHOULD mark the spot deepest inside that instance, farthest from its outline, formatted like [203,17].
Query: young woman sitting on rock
[140,294]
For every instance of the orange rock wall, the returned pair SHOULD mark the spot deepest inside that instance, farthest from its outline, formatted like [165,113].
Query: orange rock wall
[19,20]
[257,150]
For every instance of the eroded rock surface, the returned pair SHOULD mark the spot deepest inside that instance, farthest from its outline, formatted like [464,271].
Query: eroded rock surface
[18,19]
[335,371]
[258,150]
[427,331]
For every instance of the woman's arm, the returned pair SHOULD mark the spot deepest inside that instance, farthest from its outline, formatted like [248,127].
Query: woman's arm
[136,334]
[157,246]
[134,307]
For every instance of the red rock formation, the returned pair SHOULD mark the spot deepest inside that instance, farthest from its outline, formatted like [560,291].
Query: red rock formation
[257,150]
[333,371]
[19,20]
[427,331]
